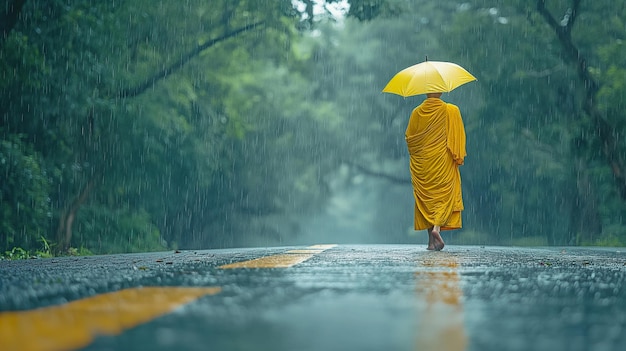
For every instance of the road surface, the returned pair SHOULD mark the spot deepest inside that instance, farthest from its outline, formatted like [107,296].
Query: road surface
[319,297]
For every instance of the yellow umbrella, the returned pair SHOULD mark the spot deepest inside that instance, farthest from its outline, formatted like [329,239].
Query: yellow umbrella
[428,77]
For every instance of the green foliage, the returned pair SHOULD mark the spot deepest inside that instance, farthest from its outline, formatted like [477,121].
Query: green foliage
[80,251]
[45,250]
[104,231]
[16,253]
[24,195]
[608,239]
[536,161]
[167,153]
[365,10]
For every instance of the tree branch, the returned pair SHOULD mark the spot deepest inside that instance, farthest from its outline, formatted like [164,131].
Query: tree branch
[563,34]
[573,14]
[389,177]
[606,132]
[66,220]
[132,92]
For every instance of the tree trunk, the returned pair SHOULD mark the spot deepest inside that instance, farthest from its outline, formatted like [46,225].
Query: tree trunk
[66,220]
[585,222]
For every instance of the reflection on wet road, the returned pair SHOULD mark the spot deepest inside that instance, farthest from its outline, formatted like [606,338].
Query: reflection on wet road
[323,297]
[441,313]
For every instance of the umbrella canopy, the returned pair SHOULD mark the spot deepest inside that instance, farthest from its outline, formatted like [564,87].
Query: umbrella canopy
[428,77]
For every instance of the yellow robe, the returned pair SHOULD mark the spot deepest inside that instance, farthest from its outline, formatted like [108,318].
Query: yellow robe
[435,138]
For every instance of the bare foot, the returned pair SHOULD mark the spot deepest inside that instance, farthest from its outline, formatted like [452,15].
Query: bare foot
[431,240]
[437,241]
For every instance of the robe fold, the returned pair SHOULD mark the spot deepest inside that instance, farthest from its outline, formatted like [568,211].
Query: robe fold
[435,139]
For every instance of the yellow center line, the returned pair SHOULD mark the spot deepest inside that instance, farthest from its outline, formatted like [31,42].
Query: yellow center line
[75,324]
[322,247]
[304,251]
[284,260]
[440,324]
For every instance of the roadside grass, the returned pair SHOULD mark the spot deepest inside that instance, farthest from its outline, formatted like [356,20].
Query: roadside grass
[44,251]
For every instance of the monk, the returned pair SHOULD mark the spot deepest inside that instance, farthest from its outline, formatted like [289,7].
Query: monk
[435,138]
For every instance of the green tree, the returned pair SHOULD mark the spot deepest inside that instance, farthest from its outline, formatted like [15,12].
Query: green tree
[548,149]
[149,118]
[24,195]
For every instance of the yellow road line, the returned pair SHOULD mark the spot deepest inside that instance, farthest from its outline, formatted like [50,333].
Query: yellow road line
[322,247]
[75,324]
[284,260]
[440,324]
[304,251]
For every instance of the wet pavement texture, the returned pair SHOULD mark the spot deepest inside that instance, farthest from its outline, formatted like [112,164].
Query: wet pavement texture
[349,297]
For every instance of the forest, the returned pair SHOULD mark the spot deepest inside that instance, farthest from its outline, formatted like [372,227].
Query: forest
[143,125]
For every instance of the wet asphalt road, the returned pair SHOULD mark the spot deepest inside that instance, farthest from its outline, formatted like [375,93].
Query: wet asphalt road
[347,297]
